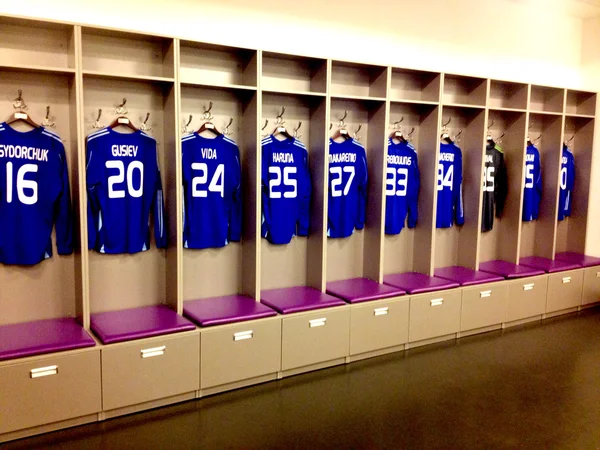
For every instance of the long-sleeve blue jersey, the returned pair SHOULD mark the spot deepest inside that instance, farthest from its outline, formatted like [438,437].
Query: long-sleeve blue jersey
[402,187]
[123,185]
[212,194]
[34,195]
[347,184]
[532,193]
[567,182]
[449,187]
[286,188]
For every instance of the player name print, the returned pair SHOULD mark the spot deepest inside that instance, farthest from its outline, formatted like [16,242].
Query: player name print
[447,157]
[283,158]
[22,152]
[208,153]
[401,160]
[125,150]
[530,158]
[489,158]
[342,157]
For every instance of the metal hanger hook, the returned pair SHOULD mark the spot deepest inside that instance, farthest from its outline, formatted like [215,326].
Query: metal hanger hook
[411,132]
[266,123]
[396,124]
[491,124]
[147,117]
[48,112]
[447,123]
[280,120]
[189,121]
[358,129]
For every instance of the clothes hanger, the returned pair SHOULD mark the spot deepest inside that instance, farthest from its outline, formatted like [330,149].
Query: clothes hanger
[342,132]
[20,115]
[208,125]
[445,135]
[280,129]
[397,133]
[489,138]
[122,119]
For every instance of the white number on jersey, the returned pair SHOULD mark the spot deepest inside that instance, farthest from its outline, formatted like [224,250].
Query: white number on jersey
[288,180]
[563,178]
[22,184]
[445,180]
[488,179]
[401,181]
[119,178]
[529,176]
[217,182]
[336,182]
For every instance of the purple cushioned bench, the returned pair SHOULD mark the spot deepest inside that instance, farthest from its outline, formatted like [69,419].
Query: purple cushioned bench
[357,290]
[418,283]
[138,323]
[578,258]
[547,265]
[44,336]
[298,299]
[465,276]
[222,310]
[509,270]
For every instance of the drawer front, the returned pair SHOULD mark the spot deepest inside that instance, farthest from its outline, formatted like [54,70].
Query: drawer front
[149,370]
[241,352]
[564,290]
[378,325]
[526,298]
[434,315]
[314,338]
[483,306]
[49,390]
[591,286]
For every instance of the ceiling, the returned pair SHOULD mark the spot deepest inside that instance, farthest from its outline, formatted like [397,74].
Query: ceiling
[583,9]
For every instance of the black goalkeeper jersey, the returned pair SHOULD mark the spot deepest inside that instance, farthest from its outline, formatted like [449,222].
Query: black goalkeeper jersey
[495,186]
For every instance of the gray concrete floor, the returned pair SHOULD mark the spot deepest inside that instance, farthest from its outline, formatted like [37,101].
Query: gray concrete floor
[534,387]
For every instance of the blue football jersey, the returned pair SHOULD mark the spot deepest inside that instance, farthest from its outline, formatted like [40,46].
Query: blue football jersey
[34,196]
[347,188]
[449,187]
[532,193]
[402,187]
[567,181]
[286,188]
[123,185]
[212,194]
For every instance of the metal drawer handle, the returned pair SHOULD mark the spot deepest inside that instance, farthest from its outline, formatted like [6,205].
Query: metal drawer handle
[243,335]
[437,302]
[528,287]
[317,322]
[381,311]
[151,352]
[566,279]
[43,372]
[597,274]
[484,294]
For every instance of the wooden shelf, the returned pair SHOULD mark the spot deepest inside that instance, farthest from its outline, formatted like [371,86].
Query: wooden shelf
[233,87]
[413,102]
[546,113]
[462,105]
[516,110]
[581,116]
[98,74]
[358,97]
[293,92]
[37,69]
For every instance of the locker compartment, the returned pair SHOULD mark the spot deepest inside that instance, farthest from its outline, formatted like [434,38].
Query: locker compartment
[526,298]
[315,337]
[591,286]
[433,315]
[150,369]
[49,390]
[240,352]
[378,325]
[564,290]
[483,306]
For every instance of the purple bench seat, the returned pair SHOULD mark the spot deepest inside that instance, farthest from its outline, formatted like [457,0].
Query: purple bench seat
[298,299]
[578,258]
[222,310]
[509,270]
[418,283]
[357,290]
[44,336]
[465,276]
[138,323]
[547,265]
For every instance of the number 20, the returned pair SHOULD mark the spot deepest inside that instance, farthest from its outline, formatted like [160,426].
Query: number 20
[120,178]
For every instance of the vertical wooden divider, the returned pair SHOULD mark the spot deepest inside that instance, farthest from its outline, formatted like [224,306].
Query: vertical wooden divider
[558,169]
[522,174]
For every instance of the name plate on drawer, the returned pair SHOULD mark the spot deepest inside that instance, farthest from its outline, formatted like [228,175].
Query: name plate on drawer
[566,279]
[43,372]
[317,322]
[243,335]
[484,294]
[437,302]
[151,352]
[381,311]
[528,287]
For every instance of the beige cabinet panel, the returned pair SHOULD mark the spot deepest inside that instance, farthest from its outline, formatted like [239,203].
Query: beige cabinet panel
[49,390]
[434,315]
[378,325]
[591,285]
[150,369]
[483,306]
[240,352]
[564,290]
[526,298]
[315,337]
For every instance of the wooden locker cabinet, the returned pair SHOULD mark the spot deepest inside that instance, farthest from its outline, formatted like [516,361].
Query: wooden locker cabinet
[315,337]
[240,352]
[483,306]
[526,298]
[378,325]
[564,290]
[434,315]
[591,286]
[150,369]
[49,390]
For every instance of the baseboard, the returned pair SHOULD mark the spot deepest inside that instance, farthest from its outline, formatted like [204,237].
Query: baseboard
[475,331]
[28,432]
[375,353]
[237,385]
[310,368]
[516,323]
[435,340]
[147,405]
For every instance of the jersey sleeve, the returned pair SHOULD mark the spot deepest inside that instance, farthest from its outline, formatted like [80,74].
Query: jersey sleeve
[265,192]
[93,177]
[538,184]
[414,185]
[501,186]
[62,212]
[362,189]
[304,216]
[160,229]
[457,191]
[235,212]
